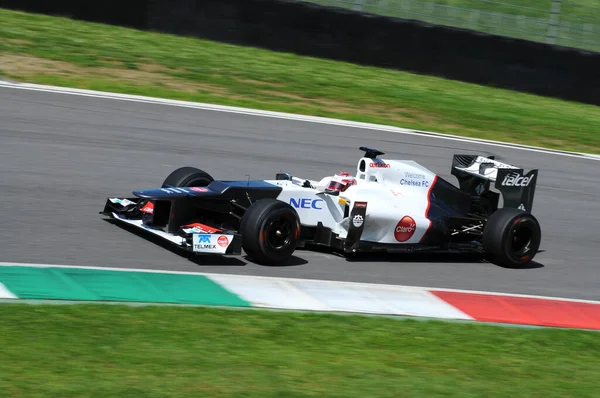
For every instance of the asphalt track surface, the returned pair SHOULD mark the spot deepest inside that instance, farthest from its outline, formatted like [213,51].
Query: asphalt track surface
[62,155]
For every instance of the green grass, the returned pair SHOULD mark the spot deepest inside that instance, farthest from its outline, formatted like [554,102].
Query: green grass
[50,50]
[118,351]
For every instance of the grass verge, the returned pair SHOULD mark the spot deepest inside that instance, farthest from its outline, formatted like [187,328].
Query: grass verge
[63,52]
[119,351]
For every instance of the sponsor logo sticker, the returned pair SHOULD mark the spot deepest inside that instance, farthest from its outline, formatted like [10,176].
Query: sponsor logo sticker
[174,190]
[202,242]
[306,203]
[415,180]
[200,246]
[414,175]
[379,165]
[203,238]
[357,220]
[405,229]
[122,202]
[198,189]
[148,208]
[223,241]
[197,227]
[209,243]
[516,180]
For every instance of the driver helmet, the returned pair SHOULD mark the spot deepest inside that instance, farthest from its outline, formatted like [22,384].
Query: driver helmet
[340,182]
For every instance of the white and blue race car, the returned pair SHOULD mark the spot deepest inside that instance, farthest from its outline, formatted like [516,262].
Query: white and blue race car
[395,206]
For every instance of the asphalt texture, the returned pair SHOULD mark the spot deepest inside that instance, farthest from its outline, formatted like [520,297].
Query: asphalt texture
[61,156]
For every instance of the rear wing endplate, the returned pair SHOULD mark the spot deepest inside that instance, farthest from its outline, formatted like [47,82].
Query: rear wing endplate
[476,173]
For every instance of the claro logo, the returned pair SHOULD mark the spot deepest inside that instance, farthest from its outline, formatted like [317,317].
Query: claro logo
[223,241]
[516,180]
[405,229]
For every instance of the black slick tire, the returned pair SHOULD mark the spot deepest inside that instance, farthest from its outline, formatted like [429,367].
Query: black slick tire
[270,231]
[187,177]
[512,237]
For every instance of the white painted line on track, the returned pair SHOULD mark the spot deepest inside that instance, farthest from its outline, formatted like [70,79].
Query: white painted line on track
[289,116]
[287,280]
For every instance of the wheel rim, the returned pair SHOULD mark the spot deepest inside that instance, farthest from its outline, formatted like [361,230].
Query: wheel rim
[521,238]
[279,234]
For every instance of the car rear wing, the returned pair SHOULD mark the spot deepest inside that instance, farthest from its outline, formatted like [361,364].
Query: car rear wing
[476,173]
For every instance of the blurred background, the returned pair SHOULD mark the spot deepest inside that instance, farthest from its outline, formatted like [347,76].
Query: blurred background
[567,23]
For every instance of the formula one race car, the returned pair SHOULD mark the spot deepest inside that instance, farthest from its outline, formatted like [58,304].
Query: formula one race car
[393,206]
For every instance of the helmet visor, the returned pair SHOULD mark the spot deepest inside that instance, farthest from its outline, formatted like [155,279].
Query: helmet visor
[335,186]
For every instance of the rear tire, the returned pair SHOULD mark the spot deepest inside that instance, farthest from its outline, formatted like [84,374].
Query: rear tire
[270,231]
[512,237]
[188,177]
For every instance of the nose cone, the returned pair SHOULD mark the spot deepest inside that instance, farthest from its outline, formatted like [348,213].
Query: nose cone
[170,192]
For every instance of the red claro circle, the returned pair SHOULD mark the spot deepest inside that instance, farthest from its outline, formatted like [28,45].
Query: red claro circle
[405,229]
[223,241]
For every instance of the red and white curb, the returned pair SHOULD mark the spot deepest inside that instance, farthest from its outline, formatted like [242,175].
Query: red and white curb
[316,295]
[524,310]
[368,298]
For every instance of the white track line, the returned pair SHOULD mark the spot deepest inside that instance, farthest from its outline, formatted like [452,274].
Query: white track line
[287,116]
[285,280]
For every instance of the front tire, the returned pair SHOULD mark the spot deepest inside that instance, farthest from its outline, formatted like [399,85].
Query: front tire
[512,237]
[187,177]
[270,231]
